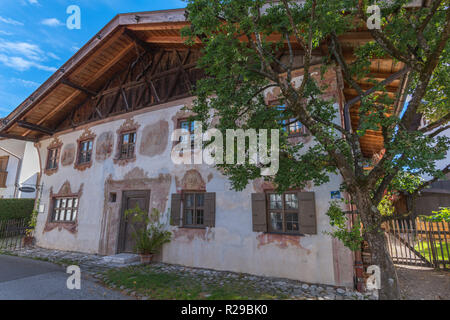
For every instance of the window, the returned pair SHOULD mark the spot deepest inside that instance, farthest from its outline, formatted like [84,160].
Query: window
[52,159]
[294,127]
[194,209]
[85,152]
[291,125]
[190,127]
[127,145]
[283,212]
[65,209]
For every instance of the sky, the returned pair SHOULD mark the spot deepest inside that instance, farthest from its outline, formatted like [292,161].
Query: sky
[35,40]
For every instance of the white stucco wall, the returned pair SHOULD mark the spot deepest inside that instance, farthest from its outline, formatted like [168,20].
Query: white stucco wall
[230,245]
[29,171]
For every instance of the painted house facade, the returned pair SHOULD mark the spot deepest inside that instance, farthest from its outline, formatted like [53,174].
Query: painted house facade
[19,169]
[102,127]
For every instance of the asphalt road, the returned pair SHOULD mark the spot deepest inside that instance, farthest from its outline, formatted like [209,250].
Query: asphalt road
[27,279]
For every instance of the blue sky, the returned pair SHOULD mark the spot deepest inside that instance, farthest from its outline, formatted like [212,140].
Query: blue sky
[34,39]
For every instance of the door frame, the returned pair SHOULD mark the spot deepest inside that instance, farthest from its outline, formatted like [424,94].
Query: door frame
[121,236]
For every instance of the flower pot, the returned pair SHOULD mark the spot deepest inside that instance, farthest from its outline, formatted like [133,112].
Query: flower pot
[146,258]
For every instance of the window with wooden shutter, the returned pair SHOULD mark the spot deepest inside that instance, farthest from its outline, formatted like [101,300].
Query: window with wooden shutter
[259,213]
[292,212]
[194,209]
[175,210]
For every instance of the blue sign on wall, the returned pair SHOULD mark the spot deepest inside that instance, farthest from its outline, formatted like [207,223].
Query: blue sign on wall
[335,194]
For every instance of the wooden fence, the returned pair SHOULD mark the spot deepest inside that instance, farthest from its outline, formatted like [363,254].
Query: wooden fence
[419,242]
[12,233]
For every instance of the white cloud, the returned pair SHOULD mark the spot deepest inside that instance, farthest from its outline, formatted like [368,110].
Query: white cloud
[10,21]
[22,56]
[6,33]
[33,1]
[29,50]
[25,83]
[52,22]
[21,64]
[53,56]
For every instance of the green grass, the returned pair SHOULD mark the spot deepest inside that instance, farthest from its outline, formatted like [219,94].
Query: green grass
[424,249]
[155,284]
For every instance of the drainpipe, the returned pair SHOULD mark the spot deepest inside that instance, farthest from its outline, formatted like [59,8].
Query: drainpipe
[19,168]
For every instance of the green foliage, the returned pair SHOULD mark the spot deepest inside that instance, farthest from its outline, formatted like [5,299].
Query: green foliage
[33,220]
[352,237]
[442,215]
[386,206]
[151,236]
[16,208]
[239,53]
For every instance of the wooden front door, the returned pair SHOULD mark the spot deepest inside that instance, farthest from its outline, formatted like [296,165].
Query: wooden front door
[129,201]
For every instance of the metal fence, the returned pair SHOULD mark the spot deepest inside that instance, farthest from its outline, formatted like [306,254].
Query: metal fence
[12,233]
[419,242]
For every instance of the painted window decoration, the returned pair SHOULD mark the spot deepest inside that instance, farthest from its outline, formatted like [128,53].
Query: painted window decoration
[194,209]
[127,145]
[65,209]
[291,125]
[85,153]
[52,159]
[190,127]
[283,212]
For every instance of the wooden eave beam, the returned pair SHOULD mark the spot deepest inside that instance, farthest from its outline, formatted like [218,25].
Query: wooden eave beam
[79,87]
[374,88]
[16,137]
[35,127]
[158,26]
[134,38]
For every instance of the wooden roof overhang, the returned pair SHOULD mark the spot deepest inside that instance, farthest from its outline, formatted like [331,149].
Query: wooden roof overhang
[86,76]
[382,70]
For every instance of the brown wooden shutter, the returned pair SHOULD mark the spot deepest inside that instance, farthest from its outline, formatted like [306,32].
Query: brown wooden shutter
[175,210]
[259,214]
[3,172]
[210,209]
[307,213]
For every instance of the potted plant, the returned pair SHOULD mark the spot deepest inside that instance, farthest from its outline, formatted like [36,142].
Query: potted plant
[150,236]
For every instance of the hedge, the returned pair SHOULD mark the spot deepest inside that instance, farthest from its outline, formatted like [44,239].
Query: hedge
[16,208]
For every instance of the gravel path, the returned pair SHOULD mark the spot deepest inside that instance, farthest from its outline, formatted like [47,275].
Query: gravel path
[419,283]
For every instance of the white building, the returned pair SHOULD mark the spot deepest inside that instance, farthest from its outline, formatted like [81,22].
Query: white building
[19,169]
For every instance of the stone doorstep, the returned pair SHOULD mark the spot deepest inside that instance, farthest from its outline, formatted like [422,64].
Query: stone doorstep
[121,258]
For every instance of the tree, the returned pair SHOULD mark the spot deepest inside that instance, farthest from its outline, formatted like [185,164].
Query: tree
[241,40]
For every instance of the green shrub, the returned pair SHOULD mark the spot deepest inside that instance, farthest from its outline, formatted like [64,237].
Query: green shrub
[16,208]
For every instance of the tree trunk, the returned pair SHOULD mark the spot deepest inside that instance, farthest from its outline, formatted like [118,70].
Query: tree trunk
[371,220]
